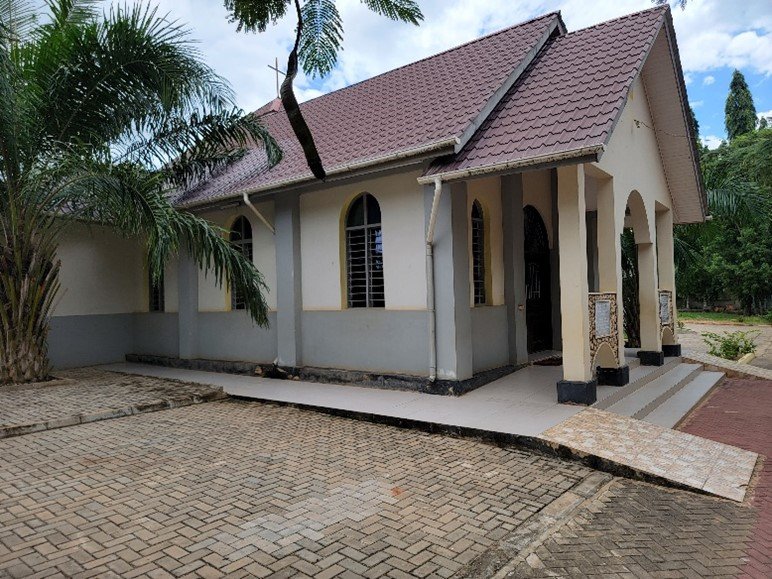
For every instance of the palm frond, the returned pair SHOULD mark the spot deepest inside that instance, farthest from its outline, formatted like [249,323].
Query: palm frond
[72,12]
[404,10]
[255,15]
[17,19]
[321,36]
[133,200]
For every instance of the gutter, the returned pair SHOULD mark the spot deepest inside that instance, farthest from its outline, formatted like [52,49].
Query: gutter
[449,144]
[594,153]
[259,215]
[430,280]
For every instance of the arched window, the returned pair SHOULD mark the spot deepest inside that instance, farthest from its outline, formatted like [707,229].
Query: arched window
[241,239]
[364,253]
[478,254]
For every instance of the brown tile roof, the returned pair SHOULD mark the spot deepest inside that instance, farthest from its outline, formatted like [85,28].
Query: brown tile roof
[429,102]
[568,99]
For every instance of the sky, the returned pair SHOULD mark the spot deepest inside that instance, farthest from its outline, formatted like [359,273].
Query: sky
[714,38]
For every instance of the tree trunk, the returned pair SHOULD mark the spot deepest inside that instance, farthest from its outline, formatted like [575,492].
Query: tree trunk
[29,282]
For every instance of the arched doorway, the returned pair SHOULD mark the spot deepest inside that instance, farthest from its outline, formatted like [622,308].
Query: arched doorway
[538,304]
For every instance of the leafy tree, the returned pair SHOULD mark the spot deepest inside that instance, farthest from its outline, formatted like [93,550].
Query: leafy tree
[318,38]
[102,117]
[731,255]
[740,112]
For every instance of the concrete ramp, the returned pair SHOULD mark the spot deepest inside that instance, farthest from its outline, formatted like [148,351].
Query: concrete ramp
[652,450]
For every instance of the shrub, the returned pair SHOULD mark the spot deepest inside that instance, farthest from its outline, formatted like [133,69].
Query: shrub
[731,345]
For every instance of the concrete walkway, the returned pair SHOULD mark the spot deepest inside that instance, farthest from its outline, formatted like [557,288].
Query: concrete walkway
[522,404]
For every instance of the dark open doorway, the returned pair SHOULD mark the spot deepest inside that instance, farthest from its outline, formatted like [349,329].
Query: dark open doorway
[538,305]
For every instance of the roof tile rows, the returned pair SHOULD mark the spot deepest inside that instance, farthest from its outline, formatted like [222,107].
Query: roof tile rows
[567,98]
[421,103]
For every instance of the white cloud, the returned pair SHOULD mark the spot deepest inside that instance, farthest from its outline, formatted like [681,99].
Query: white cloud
[708,80]
[711,141]
[766,114]
[711,34]
[696,104]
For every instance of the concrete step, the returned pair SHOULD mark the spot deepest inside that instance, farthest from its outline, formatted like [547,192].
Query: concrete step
[643,401]
[640,376]
[675,408]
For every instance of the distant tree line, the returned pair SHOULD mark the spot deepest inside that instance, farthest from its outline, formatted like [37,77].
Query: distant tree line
[730,256]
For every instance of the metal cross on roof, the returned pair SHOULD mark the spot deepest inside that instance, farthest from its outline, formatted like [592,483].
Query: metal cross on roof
[275,67]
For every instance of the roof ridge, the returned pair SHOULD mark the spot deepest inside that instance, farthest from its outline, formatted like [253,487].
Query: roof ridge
[553,14]
[661,8]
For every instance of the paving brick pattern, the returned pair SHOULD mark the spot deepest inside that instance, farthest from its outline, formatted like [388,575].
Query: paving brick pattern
[650,449]
[738,413]
[88,394]
[250,489]
[636,529]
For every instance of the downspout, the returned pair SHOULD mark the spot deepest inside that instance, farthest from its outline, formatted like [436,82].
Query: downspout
[259,215]
[430,281]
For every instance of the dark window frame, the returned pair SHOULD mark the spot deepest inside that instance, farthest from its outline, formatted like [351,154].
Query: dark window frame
[479,270]
[241,238]
[365,287]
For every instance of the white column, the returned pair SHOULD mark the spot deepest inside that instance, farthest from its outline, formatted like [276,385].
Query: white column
[572,232]
[514,266]
[665,261]
[451,282]
[288,280]
[610,255]
[648,297]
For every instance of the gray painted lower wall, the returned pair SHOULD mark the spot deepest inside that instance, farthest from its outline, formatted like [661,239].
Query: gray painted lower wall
[233,336]
[156,333]
[86,340]
[490,343]
[372,340]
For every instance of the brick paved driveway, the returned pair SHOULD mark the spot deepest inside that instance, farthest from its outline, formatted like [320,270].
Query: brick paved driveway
[636,529]
[250,489]
[90,394]
[739,412]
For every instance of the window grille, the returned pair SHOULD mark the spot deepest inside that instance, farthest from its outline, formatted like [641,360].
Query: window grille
[241,239]
[156,295]
[478,253]
[364,254]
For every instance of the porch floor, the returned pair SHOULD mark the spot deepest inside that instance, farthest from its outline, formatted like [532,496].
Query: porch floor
[524,404]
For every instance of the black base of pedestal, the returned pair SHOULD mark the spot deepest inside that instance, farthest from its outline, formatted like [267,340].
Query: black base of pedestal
[577,392]
[671,350]
[614,376]
[651,358]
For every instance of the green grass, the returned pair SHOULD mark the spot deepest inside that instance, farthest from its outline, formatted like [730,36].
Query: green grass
[722,317]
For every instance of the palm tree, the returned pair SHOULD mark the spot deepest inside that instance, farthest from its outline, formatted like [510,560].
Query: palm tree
[318,38]
[103,117]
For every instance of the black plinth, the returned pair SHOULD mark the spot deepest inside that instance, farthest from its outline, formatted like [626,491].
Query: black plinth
[577,392]
[614,376]
[651,358]
[671,350]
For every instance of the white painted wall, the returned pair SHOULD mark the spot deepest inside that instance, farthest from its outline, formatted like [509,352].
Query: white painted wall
[537,193]
[101,273]
[322,243]
[632,157]
[214,298]
[488,192]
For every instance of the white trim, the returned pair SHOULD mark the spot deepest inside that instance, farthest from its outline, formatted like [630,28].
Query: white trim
[594,150]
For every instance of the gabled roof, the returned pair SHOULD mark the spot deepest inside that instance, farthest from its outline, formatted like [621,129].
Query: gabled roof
[529,95]
[433,105]
[565,106]
[566,103]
